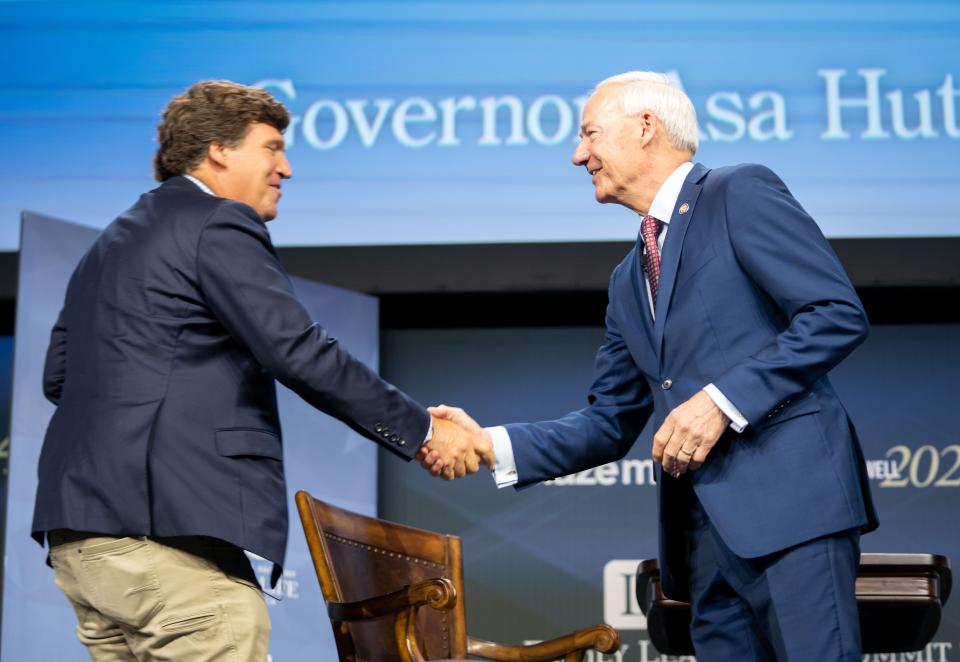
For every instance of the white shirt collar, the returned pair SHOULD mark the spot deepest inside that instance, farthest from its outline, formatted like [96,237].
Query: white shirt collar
[206,189]
[666,199]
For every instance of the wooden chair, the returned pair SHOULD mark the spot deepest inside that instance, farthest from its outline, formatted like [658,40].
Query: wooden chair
[899,597]
[375,576]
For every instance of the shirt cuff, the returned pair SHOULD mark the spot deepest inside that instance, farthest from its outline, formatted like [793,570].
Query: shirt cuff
[505,470]
[429,432]
[737,422]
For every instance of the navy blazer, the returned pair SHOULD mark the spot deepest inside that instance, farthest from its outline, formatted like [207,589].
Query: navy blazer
[753,299]
[162,367]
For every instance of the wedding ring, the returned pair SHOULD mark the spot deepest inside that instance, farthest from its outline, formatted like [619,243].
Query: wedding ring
[685,452]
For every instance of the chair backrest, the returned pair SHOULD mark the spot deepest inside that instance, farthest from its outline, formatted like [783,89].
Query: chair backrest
[358,557]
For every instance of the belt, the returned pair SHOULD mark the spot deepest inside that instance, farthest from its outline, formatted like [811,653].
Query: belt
[63,536]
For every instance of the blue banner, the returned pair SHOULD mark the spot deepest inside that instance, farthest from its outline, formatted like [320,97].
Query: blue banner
[425,122]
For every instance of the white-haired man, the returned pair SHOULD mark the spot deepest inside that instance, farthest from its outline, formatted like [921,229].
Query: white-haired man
[722,323]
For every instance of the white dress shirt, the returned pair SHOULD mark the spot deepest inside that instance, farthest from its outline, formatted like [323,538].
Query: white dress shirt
[664,202]
[203,187]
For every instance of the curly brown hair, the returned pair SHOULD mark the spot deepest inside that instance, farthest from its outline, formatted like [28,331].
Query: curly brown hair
[210,112]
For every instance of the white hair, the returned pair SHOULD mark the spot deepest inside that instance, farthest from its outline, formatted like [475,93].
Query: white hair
[661,94]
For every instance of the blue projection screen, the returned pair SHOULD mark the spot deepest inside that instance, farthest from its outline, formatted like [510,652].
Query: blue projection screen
[454,122]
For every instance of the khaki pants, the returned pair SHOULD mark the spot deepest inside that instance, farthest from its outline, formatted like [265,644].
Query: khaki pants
[188,599]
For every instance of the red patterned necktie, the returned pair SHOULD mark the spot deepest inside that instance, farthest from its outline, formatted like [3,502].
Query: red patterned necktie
[649,230]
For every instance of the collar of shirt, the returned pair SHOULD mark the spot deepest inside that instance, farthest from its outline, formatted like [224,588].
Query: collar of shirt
[206,189]
[666,198]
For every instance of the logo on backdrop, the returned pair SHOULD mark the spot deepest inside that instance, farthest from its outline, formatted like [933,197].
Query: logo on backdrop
[287,588]
[921,467]
[624,472]
[903,466]
[620,606]
[866,108]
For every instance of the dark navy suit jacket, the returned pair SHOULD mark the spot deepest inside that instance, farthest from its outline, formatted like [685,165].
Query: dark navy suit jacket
[752,299]
[162,367]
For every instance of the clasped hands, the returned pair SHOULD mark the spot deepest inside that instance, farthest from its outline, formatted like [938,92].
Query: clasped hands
[458,446]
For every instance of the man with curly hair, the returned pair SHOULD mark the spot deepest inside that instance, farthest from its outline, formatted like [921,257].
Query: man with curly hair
[163,460]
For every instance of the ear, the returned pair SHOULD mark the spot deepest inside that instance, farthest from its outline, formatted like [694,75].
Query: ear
[649,125]
[218,154]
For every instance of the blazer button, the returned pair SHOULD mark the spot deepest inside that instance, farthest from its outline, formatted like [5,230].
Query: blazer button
[667,383]
[401,442]
[394,438]
[378,428]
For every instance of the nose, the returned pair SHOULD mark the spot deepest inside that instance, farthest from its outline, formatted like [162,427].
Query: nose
[581,154]
[283,166]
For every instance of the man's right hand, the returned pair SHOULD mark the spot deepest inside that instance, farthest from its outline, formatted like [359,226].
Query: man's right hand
[458,445]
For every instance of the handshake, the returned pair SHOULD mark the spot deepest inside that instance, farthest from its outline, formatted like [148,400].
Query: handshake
[458,446]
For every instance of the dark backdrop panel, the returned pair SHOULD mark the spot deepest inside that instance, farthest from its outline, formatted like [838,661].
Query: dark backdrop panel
[535,559]
[6,379]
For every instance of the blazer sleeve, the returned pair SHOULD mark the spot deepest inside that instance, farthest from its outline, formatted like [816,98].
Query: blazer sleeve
[247,288]
[619,405]
[55,365]
[786,255]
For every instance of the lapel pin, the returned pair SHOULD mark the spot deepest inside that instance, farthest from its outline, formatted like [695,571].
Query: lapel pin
[684,208]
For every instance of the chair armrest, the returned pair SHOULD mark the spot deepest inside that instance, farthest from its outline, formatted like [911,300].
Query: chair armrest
[436,593]
[602,638]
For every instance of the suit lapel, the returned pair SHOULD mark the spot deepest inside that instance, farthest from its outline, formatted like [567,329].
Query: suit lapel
[670,257]
[636,302]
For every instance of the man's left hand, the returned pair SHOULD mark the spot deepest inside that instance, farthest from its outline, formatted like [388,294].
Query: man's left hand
[688,434]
